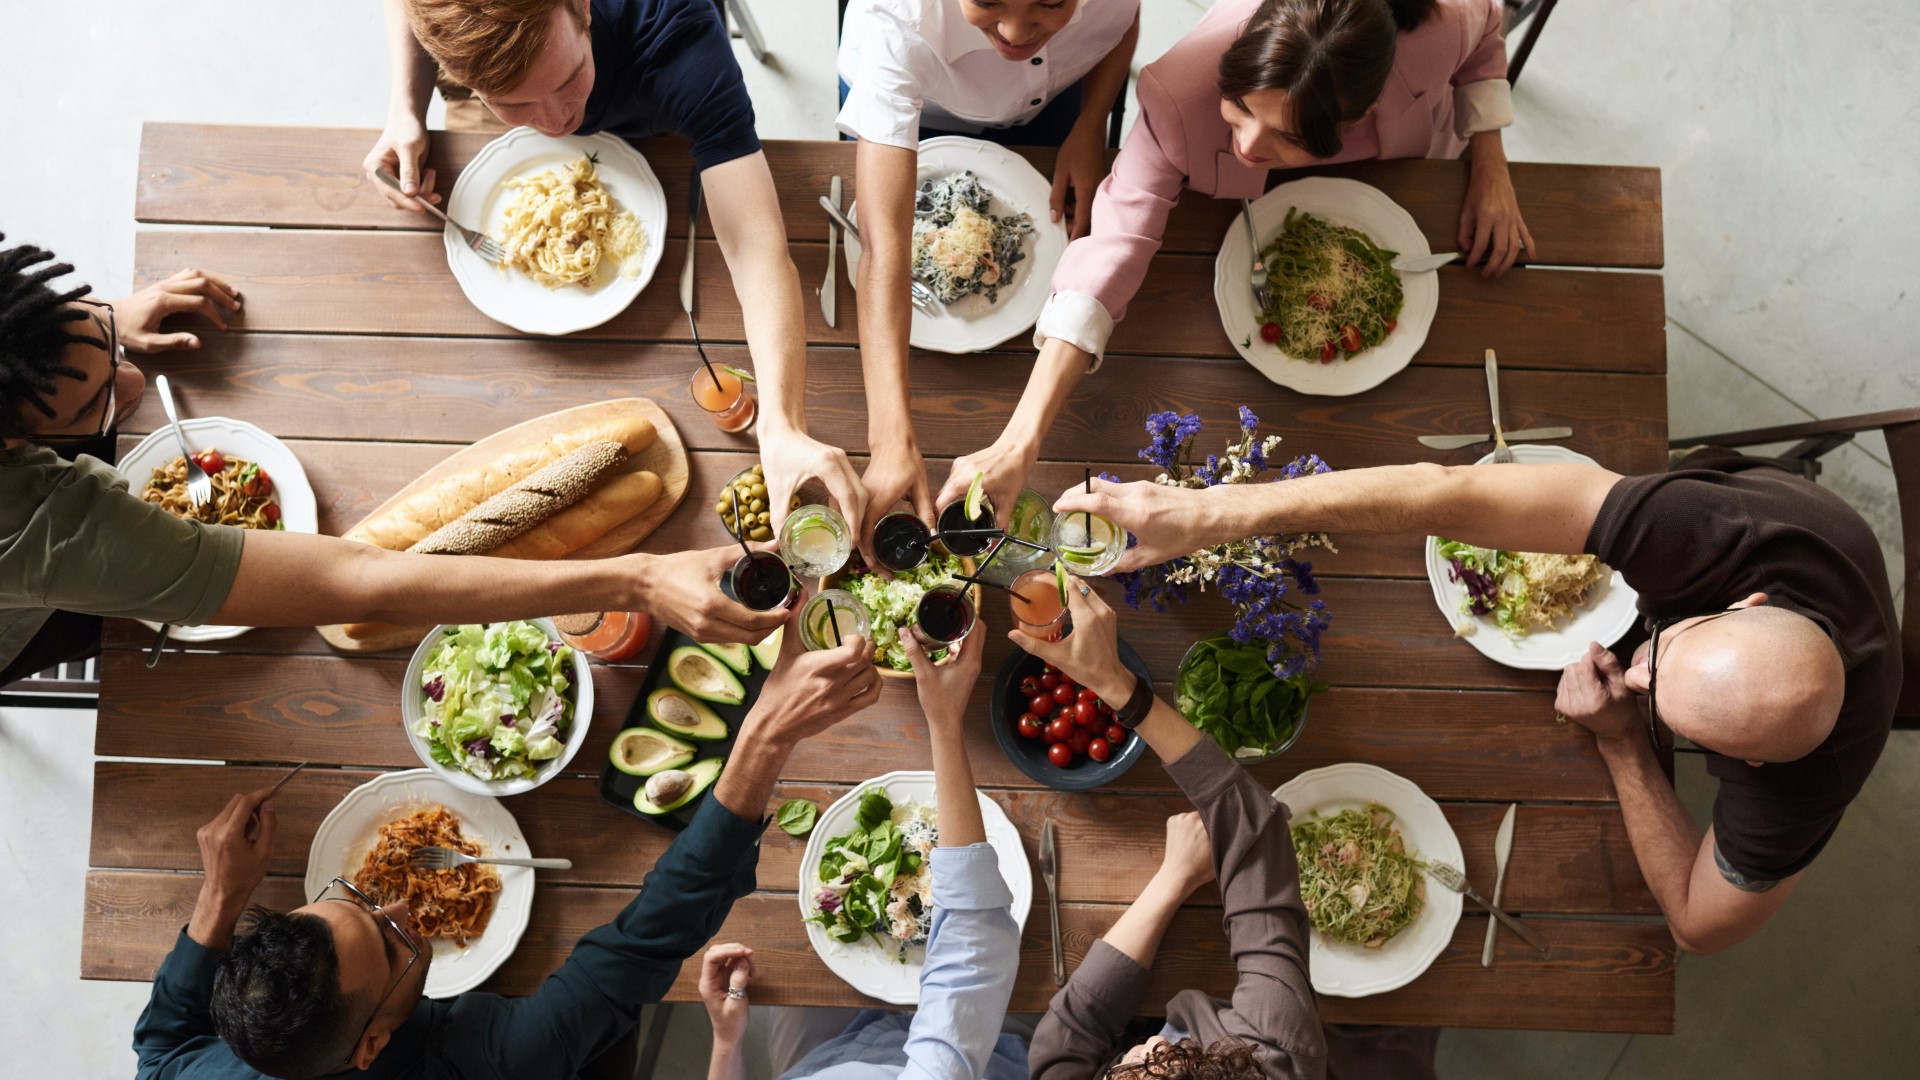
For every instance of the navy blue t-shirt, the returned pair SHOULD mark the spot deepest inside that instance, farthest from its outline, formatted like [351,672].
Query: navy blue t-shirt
[665,67]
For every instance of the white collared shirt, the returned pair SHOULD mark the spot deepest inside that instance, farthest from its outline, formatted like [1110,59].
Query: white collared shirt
[908,62]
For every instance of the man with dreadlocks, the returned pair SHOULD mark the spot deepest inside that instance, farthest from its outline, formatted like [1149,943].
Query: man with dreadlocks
[76,544]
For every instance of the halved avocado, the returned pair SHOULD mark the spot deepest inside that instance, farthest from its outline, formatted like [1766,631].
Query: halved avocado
[695,670]
[768,651]
[734,656]
[681,715]
[675,788]
[643,751]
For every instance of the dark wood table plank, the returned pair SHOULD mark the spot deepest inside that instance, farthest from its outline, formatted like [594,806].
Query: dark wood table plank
[399,283]
[1580,215]
[1600,976]
[1568,859]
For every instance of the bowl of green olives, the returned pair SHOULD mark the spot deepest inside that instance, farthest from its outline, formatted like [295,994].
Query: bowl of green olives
[757,521]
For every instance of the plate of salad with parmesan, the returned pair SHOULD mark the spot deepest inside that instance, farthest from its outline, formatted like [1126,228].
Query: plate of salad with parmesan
[866,881]
[1529,609]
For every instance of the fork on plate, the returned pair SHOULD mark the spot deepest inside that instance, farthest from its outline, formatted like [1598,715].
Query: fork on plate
[1257,277]
[1502,453]
[483,245]
[439,858]
[199,490]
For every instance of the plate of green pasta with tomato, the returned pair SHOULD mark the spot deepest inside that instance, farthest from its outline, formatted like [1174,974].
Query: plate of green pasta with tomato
[1338,318]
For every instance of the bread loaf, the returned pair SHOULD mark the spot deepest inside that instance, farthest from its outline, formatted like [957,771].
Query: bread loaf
[616,502]
[525,504]
[410,520]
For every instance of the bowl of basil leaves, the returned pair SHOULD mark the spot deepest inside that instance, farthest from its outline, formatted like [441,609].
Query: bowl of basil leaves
[1228,690]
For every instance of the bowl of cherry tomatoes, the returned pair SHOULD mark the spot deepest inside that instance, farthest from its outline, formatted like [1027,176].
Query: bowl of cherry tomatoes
[1059,732]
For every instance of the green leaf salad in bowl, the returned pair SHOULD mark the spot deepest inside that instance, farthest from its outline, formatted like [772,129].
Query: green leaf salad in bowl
[876,880]
[497,708]
[1228,689]
[891,603]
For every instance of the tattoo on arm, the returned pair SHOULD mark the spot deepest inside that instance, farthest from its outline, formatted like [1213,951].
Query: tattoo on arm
[1737,879]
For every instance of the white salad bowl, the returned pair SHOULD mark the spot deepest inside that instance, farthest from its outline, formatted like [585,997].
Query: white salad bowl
[413,707]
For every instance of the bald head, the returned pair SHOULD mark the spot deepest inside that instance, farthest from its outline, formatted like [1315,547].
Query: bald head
[1763,684]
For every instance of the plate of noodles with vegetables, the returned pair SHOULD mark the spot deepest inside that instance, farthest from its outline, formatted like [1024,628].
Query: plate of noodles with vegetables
[1361,836]
[1338,319]
[1528,609]
[471,917]
[582,218]
[258,484]
[982,242]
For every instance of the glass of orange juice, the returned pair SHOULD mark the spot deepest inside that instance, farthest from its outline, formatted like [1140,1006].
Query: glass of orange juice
[1037,606]
[724,396]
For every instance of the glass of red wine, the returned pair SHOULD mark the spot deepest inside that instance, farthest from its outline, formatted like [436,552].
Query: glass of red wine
[944,617]
[761,581]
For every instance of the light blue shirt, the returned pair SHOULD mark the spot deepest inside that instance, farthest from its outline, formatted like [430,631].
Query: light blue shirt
[973,951]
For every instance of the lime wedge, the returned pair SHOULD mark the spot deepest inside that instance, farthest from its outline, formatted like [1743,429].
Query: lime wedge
[976,494]
[742,375]
[1060,579]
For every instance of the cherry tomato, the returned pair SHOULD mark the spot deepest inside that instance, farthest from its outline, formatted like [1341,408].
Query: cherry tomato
[1098,750]
[1040,704]
[1350,338]
[1029,686]
[1048,680]
[1086,715]
[1270,332]
[1059,730]
[1086,695]
[1060,754]
[1063,694]
[1116,734]
[1080,740]
[257,484]
[1391,324]
[211,460]
[1029,726]
[271,512]
[1318,302]
[1328,352]
[1067,681]
[1105,709]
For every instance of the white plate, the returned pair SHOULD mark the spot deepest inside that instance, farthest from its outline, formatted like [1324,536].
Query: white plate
[479,201]
[864,965]
[236,439]
[1344,970]
[412,699]
[1610,611]
[348,833]
[971,324]
[1343,202]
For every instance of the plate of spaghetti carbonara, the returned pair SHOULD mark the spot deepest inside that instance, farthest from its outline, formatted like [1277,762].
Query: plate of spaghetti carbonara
[471,916]
[583,221]
[259,485]
[1339,319]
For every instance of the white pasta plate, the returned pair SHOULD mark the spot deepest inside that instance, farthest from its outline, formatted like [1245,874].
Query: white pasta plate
[480,199]
[1610,611]
[972,323]
[1344,970]
[349,832]
[864,965]
[234,439]
[1342,202]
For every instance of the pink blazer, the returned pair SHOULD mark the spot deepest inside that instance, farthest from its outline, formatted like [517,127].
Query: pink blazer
[1181,140]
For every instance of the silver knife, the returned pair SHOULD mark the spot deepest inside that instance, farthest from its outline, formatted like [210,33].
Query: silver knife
[1459,442]
[1416,264]
[1501,455]
[1049,872]
[1502,847]
[693,226]
[833,251]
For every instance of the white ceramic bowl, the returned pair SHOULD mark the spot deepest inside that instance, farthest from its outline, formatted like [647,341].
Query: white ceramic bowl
[412,707]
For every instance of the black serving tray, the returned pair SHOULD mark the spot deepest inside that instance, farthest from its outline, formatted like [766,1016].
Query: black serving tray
[618,788]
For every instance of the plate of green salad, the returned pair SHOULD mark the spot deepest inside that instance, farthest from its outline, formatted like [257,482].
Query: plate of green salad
[890,603]
[497,708]
[1361,835]
[866,881]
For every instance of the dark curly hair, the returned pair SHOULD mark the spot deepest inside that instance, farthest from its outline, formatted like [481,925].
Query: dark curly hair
[277,1000]
[1228,1059]
[1332,57]
[34,334]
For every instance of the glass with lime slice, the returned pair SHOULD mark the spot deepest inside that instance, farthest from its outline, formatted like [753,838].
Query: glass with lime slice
[816,541]
[966,525]
[1087,544]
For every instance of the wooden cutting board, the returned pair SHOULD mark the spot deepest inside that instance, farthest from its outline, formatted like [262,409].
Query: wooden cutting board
[667,458]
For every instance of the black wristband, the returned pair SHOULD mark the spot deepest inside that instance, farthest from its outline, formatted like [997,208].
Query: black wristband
[1138,705]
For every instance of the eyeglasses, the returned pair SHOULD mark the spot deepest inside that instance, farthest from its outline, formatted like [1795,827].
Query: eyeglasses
[110,335]
[355,896]
[1654,726]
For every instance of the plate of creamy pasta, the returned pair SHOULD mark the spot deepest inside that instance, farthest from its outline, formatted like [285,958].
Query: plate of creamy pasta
[471,917]
[259,485]
[1339,319]
[582,219]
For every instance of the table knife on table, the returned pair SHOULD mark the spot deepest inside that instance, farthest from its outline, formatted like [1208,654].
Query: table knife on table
[693,228]
[1502,847]
[1050,873]
[827,290]
[1461,442]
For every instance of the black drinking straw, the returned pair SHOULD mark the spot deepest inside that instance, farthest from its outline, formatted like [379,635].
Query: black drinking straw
[1086,516]
[833,619]
[735,492]
[697,347]
[1028,544]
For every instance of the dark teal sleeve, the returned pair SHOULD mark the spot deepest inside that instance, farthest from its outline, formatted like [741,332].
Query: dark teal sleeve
[176,1029]
[596,996]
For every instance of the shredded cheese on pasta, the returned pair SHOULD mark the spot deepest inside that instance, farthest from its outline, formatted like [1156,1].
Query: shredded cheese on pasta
[563,229]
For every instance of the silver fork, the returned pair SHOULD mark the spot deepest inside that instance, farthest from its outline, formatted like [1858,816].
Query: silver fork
[483,245]
[1455,880]
[1257,279]
[1502,455]
[921,295]
[439,858]
[199,484]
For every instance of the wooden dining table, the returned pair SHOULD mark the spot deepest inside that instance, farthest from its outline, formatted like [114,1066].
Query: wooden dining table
[358,349]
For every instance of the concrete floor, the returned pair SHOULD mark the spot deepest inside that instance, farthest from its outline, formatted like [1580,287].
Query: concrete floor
[1787,150]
